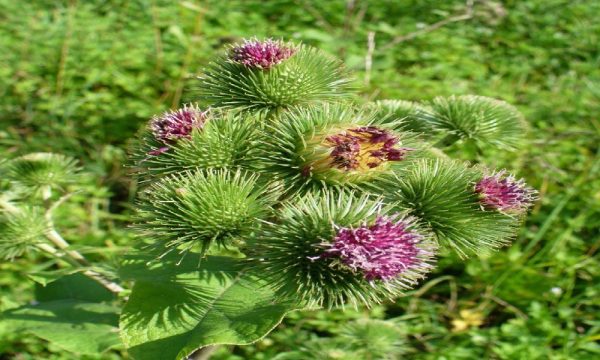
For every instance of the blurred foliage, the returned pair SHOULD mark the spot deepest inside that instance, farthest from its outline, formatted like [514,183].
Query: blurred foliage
[80,77]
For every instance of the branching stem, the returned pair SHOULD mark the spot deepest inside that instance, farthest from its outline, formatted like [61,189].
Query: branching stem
[112,286]
[73,257]
[102,280]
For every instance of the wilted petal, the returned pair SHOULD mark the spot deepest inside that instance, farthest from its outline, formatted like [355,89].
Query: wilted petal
[364,147]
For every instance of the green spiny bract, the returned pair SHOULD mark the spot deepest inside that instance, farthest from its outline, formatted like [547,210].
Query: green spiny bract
[333,145]
[405,116]
[307,76]
[226,140]
[295,252]
[441,194]
[41,170]
[481,120]
[21,231]
[198,209]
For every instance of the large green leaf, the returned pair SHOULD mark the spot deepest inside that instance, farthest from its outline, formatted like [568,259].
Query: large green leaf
[70,315]
[176,309]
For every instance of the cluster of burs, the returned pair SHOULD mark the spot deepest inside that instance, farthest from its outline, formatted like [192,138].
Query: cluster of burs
[333,199]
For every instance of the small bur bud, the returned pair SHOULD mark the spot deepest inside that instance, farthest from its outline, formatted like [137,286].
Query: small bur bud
[380,251]
[174,125]
[261,54]
[504,193]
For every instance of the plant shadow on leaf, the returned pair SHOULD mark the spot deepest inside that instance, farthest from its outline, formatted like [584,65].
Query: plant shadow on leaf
[63,312]
[73,287]
[74,312]
[177,288]
[176,309]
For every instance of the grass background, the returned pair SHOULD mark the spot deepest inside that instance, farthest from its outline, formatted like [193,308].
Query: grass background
[81,77]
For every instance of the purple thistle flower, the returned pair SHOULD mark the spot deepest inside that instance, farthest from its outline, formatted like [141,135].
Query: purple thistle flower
[174,125]
[364,148]
[382,250]
[261,54]
[504,193]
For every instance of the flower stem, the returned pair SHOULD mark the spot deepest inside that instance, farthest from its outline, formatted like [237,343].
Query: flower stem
[62,244]
[74,258]
[77,259]
[102,280]
[8,207]
[94,275]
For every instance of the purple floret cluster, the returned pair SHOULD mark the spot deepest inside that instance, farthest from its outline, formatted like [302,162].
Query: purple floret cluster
[364,147]
[380,251]
[261,54]
[505,193]
[174,125]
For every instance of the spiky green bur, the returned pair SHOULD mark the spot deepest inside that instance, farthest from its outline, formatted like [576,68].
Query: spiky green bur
[405,116]
[372,338]
[441,194]
[307,76]
[21,231]
[198,209]
[333,145]
[299,255]
[361,339]
[481,120]
[42,170]
[226,140]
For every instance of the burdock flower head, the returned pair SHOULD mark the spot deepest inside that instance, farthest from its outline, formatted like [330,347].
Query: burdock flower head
[383,250]
[504,193]
[261,54]
[332,248]
[174,125]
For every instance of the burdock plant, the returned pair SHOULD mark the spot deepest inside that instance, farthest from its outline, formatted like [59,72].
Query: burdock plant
[265,76]
[277,190]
